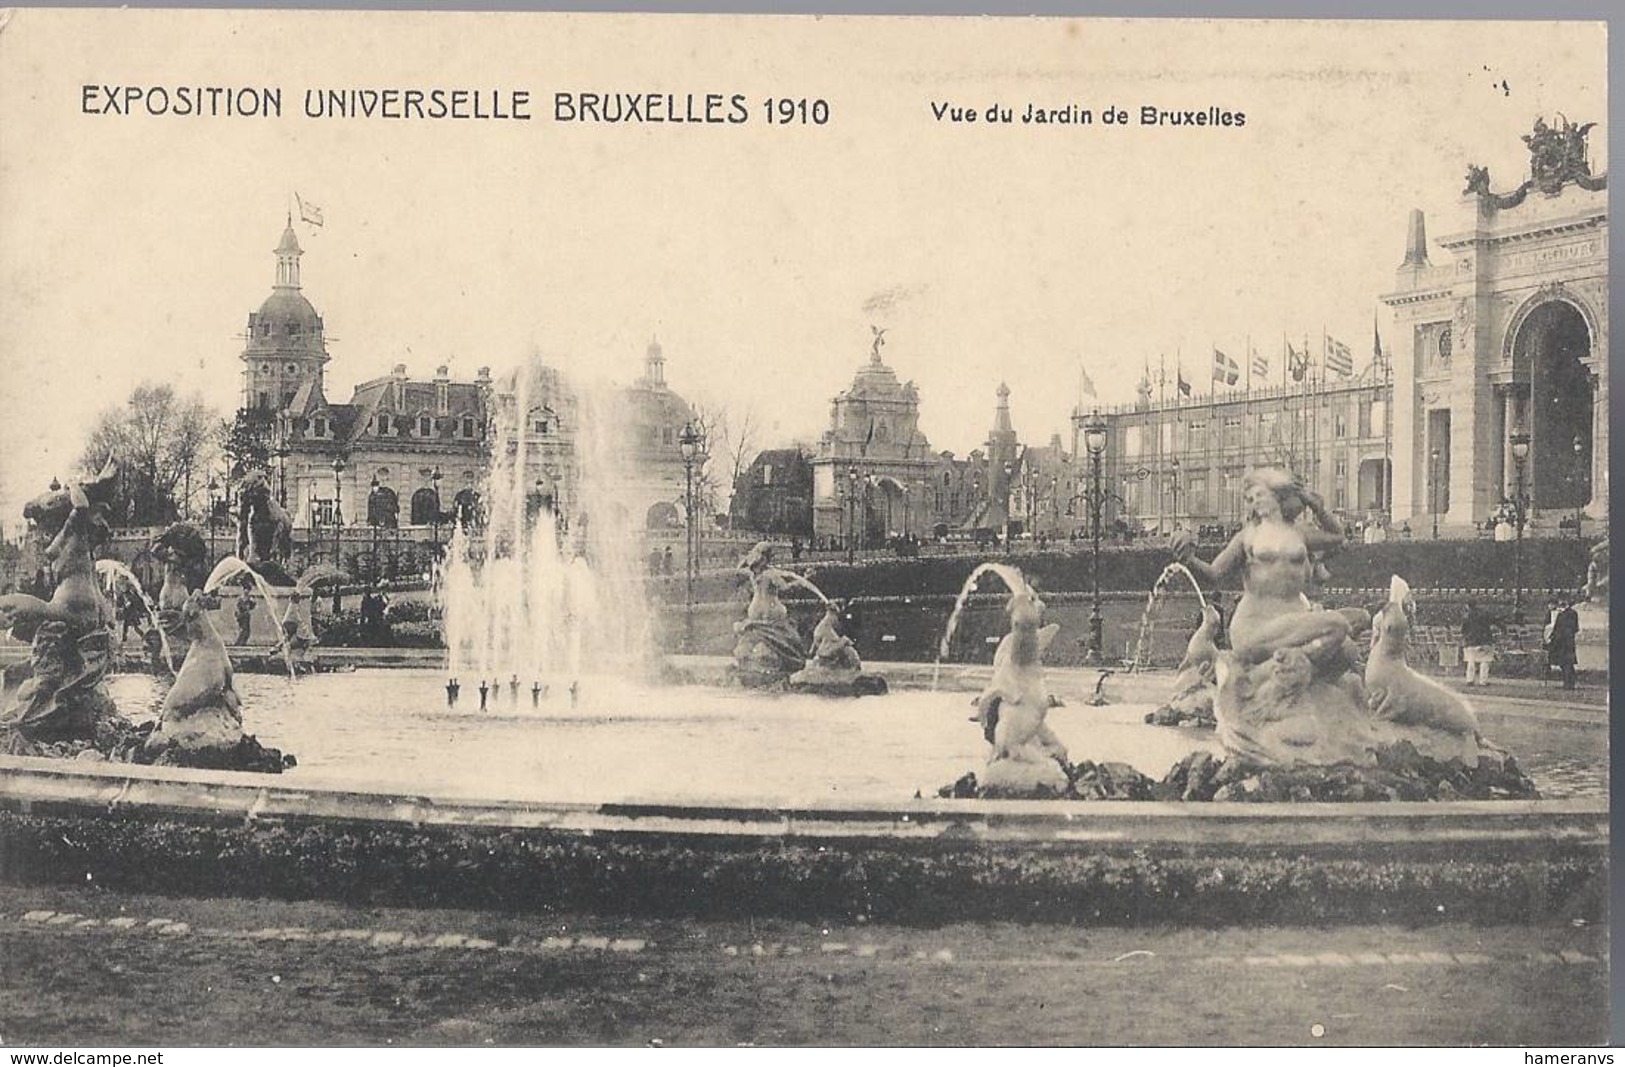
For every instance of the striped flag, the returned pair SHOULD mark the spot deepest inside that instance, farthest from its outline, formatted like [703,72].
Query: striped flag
[1339,360]
[1224,368]
[1261,365]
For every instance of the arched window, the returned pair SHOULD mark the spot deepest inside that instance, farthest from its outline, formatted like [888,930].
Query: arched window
[424,507]
[425,426]
[383,425]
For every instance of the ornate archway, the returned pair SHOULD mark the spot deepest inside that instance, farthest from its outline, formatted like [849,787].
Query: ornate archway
[1551,344]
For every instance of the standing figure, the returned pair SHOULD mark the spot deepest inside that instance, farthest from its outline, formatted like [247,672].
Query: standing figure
[1477,644]
[1560,650]
[245,617]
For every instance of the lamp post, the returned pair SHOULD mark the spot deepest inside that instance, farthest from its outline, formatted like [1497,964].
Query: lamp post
[905,511]
[1173,475]
[214,493]
[338,519]
[1433,490]
[372,520]
[1094,441]
[1009,472]
[851,511]
[1579,485]
[283,431]
[688,443]
[1520,453]
[434,480]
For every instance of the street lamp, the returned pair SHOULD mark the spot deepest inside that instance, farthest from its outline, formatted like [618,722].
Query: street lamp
[1094,441]
[1009,471]
[373,510]
[283,432]
[688,443]
[1433,490]
[338,519]
[434,480]
[1579,485]
[1173,471]
[214,493]
[851,510]
[1520,453]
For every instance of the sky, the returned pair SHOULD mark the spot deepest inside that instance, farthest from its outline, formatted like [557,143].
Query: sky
[133,247]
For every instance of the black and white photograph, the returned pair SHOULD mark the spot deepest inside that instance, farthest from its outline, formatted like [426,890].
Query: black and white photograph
[573,530]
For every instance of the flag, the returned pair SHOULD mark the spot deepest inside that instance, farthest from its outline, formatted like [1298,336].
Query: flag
[308,212]
[1086,387]
[1261,365]
[1297,362]
[1184,386]
[1224,368]
[1338,358]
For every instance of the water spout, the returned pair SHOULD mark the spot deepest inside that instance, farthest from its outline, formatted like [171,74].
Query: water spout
[1013,580]
[1147,624]
[111,569]
[230,567]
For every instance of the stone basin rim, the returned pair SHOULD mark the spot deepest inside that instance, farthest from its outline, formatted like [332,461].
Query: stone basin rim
[27,780]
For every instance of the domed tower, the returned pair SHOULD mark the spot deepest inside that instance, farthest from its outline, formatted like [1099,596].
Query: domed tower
[286,348]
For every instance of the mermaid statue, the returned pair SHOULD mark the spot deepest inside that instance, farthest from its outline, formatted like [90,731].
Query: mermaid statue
[769,649]
[1296,687]
[60,696]
[834,668]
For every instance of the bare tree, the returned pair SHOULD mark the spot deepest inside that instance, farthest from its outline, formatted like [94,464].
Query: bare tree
[164,445]
[730,440]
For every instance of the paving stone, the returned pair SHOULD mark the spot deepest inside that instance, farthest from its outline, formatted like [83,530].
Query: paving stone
[294,933]
[1571,956]
[866,951]
[352,935]
[37,916]
[479,943]
[123,922]
[159,922]
[559,943]
[597,943]
[449,940]
[627,944]
[176,929]
[65,918]
[943,955]
[834,946]
[83,923]
[388,937]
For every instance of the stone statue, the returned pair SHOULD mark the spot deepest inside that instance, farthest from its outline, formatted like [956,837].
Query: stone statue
[1025,752]
[185,560]
[1557,154]
[1406,706]
[1597,575]
[769,649]
[1195,684]
[62,695]
[834,668]
[1478,181]
[202,720]
[1290,690]
[264,529]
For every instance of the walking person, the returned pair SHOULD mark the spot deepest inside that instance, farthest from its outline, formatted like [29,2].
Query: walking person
[1478,644]
[1560,652]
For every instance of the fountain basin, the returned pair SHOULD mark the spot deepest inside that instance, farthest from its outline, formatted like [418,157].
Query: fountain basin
[700,801]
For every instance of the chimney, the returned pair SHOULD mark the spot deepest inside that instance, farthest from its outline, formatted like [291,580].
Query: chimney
[442,373]
[1416,243]
[400,370]
[483,375]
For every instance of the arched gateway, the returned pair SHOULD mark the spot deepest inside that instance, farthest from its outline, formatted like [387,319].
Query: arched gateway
[1501,330]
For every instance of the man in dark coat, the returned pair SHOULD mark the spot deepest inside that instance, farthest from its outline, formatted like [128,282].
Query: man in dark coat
[1560,645]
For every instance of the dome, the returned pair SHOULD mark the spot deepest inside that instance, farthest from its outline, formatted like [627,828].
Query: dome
[287,305]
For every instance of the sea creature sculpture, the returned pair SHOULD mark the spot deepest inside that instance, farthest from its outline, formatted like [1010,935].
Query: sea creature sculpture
[1025,753]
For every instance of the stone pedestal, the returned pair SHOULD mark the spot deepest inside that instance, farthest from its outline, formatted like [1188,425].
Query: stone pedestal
[1591,643]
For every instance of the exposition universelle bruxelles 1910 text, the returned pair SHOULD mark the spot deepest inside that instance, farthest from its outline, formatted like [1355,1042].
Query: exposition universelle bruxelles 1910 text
[601,108]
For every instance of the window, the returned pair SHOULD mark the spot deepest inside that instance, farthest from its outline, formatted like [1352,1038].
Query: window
[767,474]
[293,329]
[264,398]
[1340,498]
[540,424]
[666,437]
[1342,467]
[425,426]
[466,426]
[383,425]
[320,426]
[1340,425]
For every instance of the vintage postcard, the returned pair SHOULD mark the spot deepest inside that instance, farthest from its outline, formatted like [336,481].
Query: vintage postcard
[609,529]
